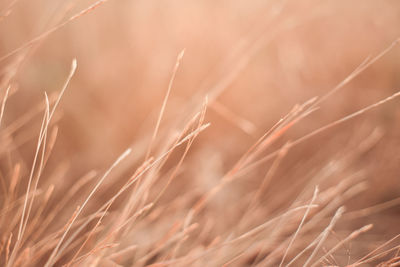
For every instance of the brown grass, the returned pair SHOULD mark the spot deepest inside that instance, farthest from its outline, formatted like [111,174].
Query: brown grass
[229,157]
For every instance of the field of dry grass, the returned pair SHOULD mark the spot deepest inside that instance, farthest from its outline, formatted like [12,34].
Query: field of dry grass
[199,133]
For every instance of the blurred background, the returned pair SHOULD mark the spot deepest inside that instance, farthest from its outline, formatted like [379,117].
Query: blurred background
[254,60]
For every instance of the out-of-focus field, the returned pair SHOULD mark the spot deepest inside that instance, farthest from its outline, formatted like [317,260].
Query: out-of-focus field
[246,64]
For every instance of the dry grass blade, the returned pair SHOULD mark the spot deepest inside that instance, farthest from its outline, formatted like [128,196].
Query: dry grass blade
[325,234]
[23,220]
[55,251]
[379,255]
[319,239]
[60,205]
[368,257]
[346,118]
[41,143]
[300,225]
[361,68]
[164,104]
[252,232]
[3,103]
[352,236]
[322,129]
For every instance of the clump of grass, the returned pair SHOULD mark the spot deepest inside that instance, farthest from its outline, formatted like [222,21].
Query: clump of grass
[154,206]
